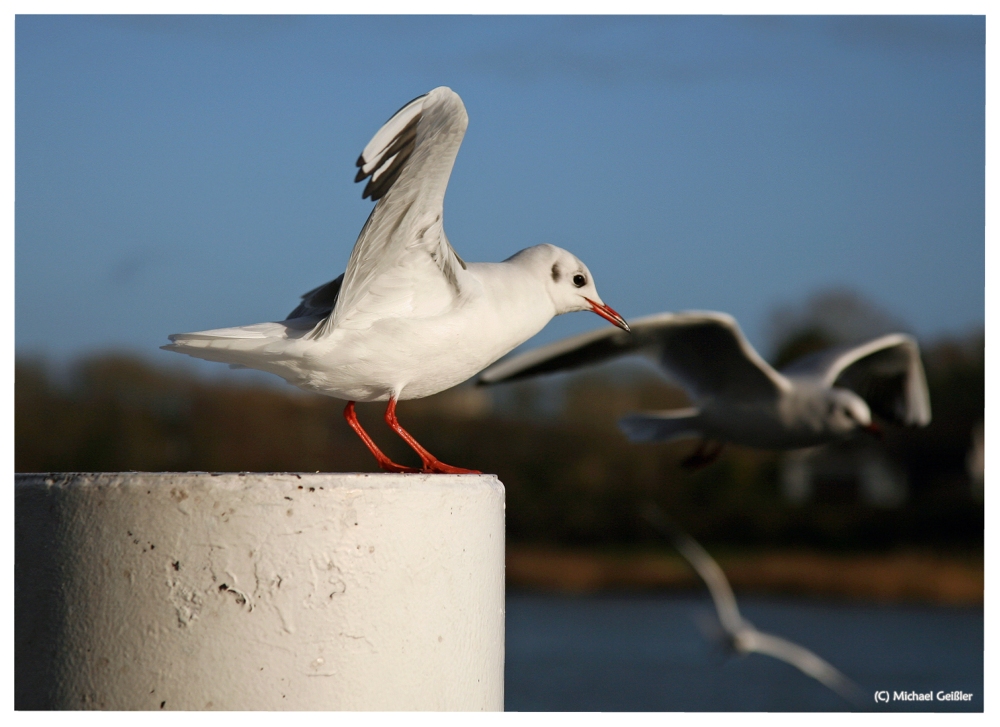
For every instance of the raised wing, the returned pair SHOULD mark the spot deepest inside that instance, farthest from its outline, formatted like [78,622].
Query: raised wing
[402,264]
[886,372]
[705,352]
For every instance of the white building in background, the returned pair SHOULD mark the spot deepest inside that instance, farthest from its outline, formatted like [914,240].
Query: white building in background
[853,470]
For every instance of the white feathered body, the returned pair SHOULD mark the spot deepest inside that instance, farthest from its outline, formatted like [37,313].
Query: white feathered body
[798,417]
[403,357]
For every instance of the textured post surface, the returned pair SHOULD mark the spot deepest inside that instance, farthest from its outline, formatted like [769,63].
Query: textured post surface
[259,591]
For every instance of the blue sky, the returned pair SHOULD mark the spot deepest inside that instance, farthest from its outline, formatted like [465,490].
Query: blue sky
[185,173]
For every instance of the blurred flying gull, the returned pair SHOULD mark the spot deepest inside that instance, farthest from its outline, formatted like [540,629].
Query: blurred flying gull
[737,396]
[409,317]
[739,634]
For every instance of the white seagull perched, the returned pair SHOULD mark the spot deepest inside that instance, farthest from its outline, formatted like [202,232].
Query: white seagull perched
[409,317]
[740,635]
[737,397]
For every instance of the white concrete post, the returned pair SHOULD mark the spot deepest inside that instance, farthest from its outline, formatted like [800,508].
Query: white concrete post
[259,591]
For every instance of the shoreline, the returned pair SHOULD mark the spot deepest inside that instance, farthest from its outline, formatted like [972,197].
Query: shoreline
[906,576]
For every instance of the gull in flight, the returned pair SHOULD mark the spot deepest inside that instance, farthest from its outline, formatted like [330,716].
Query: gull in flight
[740,635]
[737,397]
[409,317]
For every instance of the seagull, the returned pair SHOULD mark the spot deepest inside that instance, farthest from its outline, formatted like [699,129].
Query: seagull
[740,635]
[737,397]
[409,317]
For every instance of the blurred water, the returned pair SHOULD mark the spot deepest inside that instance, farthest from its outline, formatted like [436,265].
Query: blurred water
[647,653]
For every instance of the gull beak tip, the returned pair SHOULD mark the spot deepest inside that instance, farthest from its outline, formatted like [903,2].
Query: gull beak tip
[609,314]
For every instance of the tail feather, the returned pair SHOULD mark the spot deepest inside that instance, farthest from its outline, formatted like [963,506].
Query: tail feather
[294,328]
[246,346]
[661,426]
[236,352]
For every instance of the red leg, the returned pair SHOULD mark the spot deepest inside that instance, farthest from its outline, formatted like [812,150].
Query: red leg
[431,463]
[384,462]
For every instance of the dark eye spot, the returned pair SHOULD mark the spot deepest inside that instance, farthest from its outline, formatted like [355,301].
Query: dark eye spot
[555,272]
[579,280]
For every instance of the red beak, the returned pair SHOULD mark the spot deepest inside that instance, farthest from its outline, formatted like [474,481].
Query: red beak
[609,314]
[874,430]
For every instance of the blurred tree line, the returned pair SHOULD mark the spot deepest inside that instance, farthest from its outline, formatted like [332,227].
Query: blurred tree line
[571,477]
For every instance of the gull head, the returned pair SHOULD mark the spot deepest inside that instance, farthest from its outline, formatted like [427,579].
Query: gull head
[568,282]
[846,412]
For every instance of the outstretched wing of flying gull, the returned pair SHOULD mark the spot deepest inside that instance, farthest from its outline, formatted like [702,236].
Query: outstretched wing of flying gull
[886,372]
[703,351]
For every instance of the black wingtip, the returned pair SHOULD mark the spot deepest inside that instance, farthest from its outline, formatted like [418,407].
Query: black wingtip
[361,161]
[360,175]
